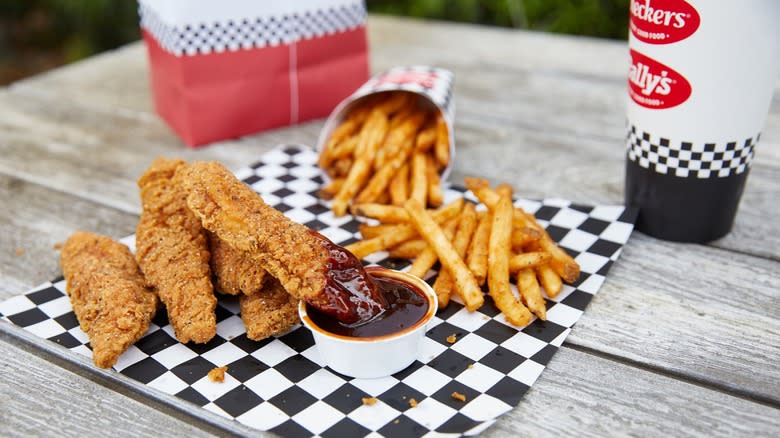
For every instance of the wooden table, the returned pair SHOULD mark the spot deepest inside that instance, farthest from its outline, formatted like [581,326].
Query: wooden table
[682,339]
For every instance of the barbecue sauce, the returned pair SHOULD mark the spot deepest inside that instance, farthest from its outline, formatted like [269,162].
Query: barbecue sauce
[351,296]
[406,306]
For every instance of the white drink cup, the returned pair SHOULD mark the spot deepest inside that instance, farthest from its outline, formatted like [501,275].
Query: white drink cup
[702,76]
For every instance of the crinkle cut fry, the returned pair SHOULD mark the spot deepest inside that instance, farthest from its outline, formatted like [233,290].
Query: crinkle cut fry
[229,208]
[172,250]
[270,311]
[108,294]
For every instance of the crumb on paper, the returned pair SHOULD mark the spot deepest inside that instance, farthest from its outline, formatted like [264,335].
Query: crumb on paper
[458,396]
[19,252]
[485,317]
[471,365]
[57,246]
[369,401]
[217,374]
[452,338]
[396,421]
[412,403]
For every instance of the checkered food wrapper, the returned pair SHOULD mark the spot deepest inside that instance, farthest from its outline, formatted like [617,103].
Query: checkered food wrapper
[435,85]
[282,385]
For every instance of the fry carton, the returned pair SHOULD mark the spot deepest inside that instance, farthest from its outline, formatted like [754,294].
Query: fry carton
[434,85]
[230,68]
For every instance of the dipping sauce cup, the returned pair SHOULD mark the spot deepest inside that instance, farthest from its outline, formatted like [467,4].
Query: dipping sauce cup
[388,343]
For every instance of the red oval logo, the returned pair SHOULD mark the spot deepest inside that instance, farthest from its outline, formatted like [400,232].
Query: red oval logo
[663,21]
[654,85]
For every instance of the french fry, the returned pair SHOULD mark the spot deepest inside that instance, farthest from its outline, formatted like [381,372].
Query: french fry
[464,280]
[442,145]
[435,194]
[402,137]
[528,260]
[477,254]
[329,190]
[402,232]
[425,139]
[340,167]
[344,149]
[383,198]
[530,292]
[419,181]
[370,231]
[399,186]
[498,264]
[443,285]
[383,213]
[378,183]
[342,132]
[549,280]
[395,102]
[523,236]
[425,261]
[408,250]
[566,267]
[371,136]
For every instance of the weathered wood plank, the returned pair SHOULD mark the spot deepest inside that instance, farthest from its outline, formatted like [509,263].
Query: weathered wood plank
[33,219]
[40,399]
[709,315]
[583,395]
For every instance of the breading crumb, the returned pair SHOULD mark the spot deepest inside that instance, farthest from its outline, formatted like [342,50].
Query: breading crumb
[458,396]
[471,365]
[369,401]
[396,421]
[452,338]
[57,246]
[19,252]
[217,374]
[412,403]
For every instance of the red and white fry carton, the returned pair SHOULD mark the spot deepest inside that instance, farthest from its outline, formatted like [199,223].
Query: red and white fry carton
[435,85]
[228,68]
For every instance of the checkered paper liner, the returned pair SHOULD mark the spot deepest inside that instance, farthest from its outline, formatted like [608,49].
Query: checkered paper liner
[280,384]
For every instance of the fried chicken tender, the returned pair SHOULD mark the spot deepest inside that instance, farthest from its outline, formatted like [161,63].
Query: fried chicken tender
[235,271]
[270,311]
[172,250]
[298,257]
[108,294]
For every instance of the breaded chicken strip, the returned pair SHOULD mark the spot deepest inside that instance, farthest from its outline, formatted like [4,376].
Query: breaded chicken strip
[235,271]
[270,311]
[108,294]
[308,265]
[172,251]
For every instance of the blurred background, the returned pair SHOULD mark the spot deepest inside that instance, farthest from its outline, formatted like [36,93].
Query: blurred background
[36,35]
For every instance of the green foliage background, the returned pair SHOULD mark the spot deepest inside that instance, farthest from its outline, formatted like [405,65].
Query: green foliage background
[39,34]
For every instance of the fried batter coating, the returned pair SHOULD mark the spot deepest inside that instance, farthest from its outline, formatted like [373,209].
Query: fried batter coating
[172,251]
[230,209]
[235,271]
[308,265]
[270,311]
[108,294]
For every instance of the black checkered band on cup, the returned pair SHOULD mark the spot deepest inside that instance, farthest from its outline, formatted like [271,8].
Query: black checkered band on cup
[251,32]
[690,159]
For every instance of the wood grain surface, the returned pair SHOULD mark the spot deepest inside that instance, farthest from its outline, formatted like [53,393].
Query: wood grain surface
[680,340]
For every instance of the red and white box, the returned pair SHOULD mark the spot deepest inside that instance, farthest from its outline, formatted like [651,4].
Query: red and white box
[228,68]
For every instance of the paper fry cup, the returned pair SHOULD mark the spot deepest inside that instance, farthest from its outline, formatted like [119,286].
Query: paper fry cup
[435,85]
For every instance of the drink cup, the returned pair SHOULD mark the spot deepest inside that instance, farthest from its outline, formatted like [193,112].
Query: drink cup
[701,80]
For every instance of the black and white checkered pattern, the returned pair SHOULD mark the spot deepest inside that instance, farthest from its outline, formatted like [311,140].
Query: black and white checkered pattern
[281,384]
[251,32]
[687,159]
